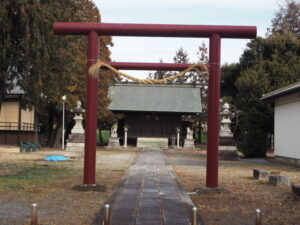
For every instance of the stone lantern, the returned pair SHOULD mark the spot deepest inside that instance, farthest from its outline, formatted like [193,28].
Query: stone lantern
[75,144]
[189,140]
[227,145]
[113,142]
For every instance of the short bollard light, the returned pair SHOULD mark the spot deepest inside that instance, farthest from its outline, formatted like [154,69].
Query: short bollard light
[34,214]
[125,135]
[194,218]
[178,136]
[258,217]
[107,215]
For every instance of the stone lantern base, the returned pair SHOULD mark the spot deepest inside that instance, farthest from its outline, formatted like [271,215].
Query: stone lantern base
[227,145]
[228,153]
[113,142]
[189,144]
[75,146]
[75,143]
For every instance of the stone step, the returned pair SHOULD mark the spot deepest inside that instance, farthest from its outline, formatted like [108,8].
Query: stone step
[296,189]
[152,142]
[279,180]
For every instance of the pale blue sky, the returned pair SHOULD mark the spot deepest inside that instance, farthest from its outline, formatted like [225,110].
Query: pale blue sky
[213,12]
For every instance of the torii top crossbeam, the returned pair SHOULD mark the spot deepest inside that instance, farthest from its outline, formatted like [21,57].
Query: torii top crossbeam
[214,33]
[155,30]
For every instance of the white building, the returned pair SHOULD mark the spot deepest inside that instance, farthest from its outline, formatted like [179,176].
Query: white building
[286,123]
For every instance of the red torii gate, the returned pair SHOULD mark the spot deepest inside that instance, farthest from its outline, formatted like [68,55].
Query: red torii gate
[214,33]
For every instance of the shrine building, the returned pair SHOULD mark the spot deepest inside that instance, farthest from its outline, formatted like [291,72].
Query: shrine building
[154,111]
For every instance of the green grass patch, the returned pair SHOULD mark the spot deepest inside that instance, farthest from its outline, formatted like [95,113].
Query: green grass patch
[203,138]
[105,136]
[34,175]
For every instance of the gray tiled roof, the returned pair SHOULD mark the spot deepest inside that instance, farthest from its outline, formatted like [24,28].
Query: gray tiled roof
[281,92]
[155,98]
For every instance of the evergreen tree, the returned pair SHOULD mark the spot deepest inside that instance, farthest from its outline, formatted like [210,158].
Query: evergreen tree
[229,74]
[181,56]
[266,65]
[159,74]
[202,53]
[45,65]
[202,80]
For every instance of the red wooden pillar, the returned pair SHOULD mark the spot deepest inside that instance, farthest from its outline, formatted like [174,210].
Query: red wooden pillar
[213,111]
[91,112]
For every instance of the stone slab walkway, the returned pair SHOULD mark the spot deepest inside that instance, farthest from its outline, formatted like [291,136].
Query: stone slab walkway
[150,194]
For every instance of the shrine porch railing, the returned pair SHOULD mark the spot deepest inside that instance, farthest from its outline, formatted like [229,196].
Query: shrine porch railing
[17,126]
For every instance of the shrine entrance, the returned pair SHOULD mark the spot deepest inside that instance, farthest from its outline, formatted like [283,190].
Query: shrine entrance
[214,33]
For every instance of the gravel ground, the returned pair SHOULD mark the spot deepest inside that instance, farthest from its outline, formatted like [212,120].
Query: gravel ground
[242,194]
[57,203]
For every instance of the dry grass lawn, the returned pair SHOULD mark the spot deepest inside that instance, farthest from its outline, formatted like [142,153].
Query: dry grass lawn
[26,178]
[236,205]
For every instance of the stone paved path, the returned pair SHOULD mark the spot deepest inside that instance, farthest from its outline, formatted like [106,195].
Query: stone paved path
[150,195]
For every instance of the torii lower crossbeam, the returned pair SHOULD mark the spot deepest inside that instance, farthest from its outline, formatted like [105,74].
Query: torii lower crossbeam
[214,33]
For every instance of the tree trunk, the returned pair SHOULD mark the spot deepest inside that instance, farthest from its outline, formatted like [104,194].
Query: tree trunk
[200,130]
[58,135]
[50,125]
[100,136]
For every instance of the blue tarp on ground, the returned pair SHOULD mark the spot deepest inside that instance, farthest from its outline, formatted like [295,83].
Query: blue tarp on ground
[55,158]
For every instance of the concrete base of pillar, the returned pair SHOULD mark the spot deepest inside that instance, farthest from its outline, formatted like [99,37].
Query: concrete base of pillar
[90,187]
